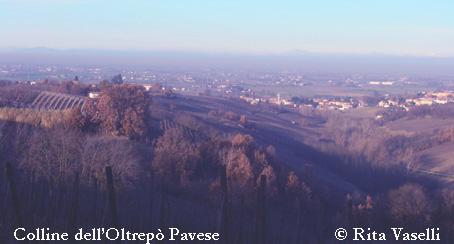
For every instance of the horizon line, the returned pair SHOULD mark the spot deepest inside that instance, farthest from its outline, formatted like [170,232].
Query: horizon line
[290,52]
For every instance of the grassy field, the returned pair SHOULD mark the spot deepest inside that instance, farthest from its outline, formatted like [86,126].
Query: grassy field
[438,159]
[420,125]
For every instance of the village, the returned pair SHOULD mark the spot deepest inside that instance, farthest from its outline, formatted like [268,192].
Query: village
[347,103]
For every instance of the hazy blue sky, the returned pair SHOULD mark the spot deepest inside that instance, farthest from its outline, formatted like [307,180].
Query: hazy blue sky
[415,27]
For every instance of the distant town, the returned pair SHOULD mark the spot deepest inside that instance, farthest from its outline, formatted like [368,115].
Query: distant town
[295,90]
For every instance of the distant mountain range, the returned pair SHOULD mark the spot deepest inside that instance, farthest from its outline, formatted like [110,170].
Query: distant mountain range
[295,60]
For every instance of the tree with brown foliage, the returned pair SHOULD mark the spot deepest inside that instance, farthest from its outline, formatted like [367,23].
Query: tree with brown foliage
[53,155]
[122,110]
[75,119]
[409,204]
[246,162]
[176,158]
[295,186]
[122,155]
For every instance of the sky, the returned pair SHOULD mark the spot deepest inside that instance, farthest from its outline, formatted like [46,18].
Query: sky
[397,27]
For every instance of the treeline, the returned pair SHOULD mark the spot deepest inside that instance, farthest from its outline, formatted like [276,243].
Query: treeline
[174,173]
